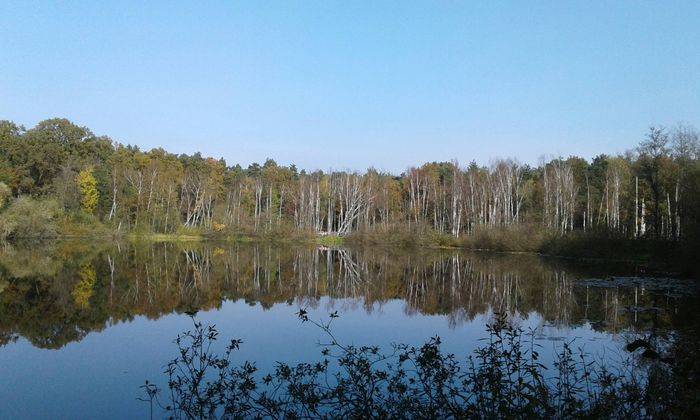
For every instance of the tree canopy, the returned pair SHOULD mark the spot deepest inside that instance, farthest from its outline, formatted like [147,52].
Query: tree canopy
[651,191]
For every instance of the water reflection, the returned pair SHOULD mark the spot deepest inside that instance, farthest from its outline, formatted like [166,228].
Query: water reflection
[57,294]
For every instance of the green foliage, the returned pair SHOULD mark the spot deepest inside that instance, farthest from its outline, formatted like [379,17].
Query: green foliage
[504,206]
[28,218]
[82,224]
[331,240]
[5,194]
[87,184]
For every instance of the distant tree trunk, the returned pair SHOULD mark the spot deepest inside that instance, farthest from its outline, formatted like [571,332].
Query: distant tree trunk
[642,222]
[678,211]
[588,204]
[669,224]
[113,210]
[167,210]
[636,207]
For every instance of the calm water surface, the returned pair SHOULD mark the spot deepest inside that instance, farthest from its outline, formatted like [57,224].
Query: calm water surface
[82,326]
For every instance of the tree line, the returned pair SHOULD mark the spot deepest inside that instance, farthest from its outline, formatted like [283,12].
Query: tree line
[64,170]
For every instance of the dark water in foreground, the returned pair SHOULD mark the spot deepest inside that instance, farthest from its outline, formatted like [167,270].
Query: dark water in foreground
[83,325]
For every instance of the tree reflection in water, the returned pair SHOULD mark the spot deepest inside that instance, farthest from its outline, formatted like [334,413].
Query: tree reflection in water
[57,294]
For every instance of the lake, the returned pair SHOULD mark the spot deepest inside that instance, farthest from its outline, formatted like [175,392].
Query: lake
[83,325]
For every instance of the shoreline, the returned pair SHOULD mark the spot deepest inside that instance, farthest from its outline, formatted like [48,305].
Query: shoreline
[658,256]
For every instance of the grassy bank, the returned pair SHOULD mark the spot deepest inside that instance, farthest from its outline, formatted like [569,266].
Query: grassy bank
[659,255]
[652,255]
[325,240]
[282,237]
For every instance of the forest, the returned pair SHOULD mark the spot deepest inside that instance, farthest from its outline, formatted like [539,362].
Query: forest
[60,179]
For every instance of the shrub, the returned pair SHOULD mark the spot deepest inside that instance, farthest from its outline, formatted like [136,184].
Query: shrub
[5,193]
[502,379]
[28,218]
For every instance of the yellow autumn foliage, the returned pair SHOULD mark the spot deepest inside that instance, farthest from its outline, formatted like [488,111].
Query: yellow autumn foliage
[87,185]
[84,287]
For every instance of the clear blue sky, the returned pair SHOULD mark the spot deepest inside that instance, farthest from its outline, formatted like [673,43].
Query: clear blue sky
[347,85]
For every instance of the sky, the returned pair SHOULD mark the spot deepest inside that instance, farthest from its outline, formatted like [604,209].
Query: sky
[356,84]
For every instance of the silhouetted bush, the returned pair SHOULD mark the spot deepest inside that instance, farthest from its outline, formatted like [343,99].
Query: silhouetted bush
[502,379]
